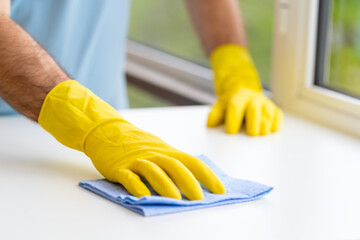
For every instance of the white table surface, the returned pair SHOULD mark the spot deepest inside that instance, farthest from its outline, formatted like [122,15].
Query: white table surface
[314,172]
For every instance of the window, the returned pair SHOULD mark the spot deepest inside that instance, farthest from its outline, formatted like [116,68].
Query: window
[316,61]
[338,60]
[140,98]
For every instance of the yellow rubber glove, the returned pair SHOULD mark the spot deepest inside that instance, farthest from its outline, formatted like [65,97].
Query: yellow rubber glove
[240,97]
[120,151]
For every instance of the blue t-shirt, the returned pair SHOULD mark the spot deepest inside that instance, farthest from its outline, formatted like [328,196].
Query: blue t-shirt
[86,38]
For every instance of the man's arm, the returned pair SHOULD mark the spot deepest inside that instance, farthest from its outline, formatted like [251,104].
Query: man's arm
[217,22]
[27,71]
[221,30]
[80,120]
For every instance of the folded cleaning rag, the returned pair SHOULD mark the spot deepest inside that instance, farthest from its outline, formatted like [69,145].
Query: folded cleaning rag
[237,190]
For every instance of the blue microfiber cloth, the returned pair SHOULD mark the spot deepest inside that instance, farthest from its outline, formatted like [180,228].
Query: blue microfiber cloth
[237,190]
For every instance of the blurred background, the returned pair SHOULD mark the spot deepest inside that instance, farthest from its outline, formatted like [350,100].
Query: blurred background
[165,25]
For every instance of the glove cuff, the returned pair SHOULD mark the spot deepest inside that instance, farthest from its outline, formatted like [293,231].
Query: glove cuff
[70,112]
[230,61]
[229,54]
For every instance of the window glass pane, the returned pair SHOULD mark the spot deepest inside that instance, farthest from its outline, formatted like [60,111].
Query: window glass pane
[165,25]
[342,72]
[141,98]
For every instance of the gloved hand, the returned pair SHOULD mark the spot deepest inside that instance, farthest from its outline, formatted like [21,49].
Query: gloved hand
[240,97]
[120,151]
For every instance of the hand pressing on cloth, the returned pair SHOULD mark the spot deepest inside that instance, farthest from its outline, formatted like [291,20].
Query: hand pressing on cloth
[121,152]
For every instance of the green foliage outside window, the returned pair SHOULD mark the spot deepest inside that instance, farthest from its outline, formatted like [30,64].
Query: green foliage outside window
[344,70]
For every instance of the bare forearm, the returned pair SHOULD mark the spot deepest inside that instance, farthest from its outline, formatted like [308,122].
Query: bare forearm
[217,22]
[27,72]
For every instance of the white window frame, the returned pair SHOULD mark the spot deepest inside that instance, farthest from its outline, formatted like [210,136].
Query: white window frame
[169,72]
[293,71]
[294,53]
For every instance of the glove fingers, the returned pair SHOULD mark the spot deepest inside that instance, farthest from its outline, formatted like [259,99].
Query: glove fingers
[182,177]
[267,118]
[216,115]
[157,178]
[132,183]
[201,171]
[253,116]
[235,113]
[279,116]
